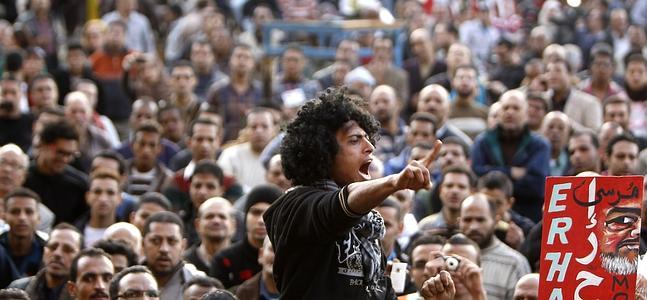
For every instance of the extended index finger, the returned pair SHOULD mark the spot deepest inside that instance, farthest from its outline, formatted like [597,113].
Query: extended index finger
[431,157]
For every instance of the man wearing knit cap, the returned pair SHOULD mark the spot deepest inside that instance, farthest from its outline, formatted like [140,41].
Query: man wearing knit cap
[233,265]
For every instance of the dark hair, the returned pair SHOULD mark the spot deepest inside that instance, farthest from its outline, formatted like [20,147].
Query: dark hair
[424,117]
[560,60]
[149,126]
[466,66]
[457,141]
[465,170]
[588,132]
[426,239]
[208,167]
[460,239]
[118,248]
[310,139]
[104,174]
[61,129]
[116,156]
[90,252]
[13,294]
[114,283]
[496,180]
[154,198]
[21,192]
[635,57]
[619,138]
[74,45]
[14,61]
[165,106]
[218,295]
[40,77]
[183,64]
[505,43]
[68,226]
[203,281]
[393,203]
[616,99]
[163,217]
[202,121]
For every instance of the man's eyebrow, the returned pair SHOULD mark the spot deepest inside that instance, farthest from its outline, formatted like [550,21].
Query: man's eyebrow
[633,210]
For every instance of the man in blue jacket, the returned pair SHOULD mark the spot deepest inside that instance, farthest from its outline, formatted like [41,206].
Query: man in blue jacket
[512,149]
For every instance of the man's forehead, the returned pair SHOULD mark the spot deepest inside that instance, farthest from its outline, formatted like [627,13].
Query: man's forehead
[164,229]
[95,265]
[64,236]
[142,281]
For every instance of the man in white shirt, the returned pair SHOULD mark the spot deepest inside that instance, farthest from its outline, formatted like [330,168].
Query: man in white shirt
[243,160]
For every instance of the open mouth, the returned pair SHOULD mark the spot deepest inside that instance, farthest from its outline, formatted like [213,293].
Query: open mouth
[364,169]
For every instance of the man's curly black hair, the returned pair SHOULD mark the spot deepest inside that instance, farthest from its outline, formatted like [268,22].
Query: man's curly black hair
[310,145]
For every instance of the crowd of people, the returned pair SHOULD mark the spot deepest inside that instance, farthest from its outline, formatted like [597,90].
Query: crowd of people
[142,142]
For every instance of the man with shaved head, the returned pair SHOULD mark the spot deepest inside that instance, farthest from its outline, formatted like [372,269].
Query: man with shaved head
[511,148]
[126,233]
[527,287]
[385,106]
[556,127]
[434,99]
[92,140]
[215,224]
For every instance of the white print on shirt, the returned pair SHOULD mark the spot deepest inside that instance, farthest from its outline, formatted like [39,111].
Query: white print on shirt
[349,256]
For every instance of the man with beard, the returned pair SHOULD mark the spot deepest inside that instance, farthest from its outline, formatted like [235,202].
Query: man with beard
[583,152]
[163,246]
[512,149]
[384,105]
[466,113]
[502,265]
[90,274]
[621,237]
[215,226]
[239,262]
[65,241]
[556,128]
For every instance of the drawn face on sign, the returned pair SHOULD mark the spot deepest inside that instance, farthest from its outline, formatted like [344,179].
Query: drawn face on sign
[621,237]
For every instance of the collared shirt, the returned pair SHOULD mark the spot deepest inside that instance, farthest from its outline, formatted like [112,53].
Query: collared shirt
[390,145]
[234,107]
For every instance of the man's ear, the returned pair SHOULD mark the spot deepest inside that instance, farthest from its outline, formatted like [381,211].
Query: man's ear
[71,288]
[511,201]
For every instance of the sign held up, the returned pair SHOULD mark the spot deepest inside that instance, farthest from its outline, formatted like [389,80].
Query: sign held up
[591,237]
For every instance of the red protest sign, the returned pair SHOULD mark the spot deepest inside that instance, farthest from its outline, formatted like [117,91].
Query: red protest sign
[590,237]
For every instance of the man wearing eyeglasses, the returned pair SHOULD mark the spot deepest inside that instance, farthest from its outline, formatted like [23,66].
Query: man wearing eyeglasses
[136,282]
[61,187]
[90,274]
